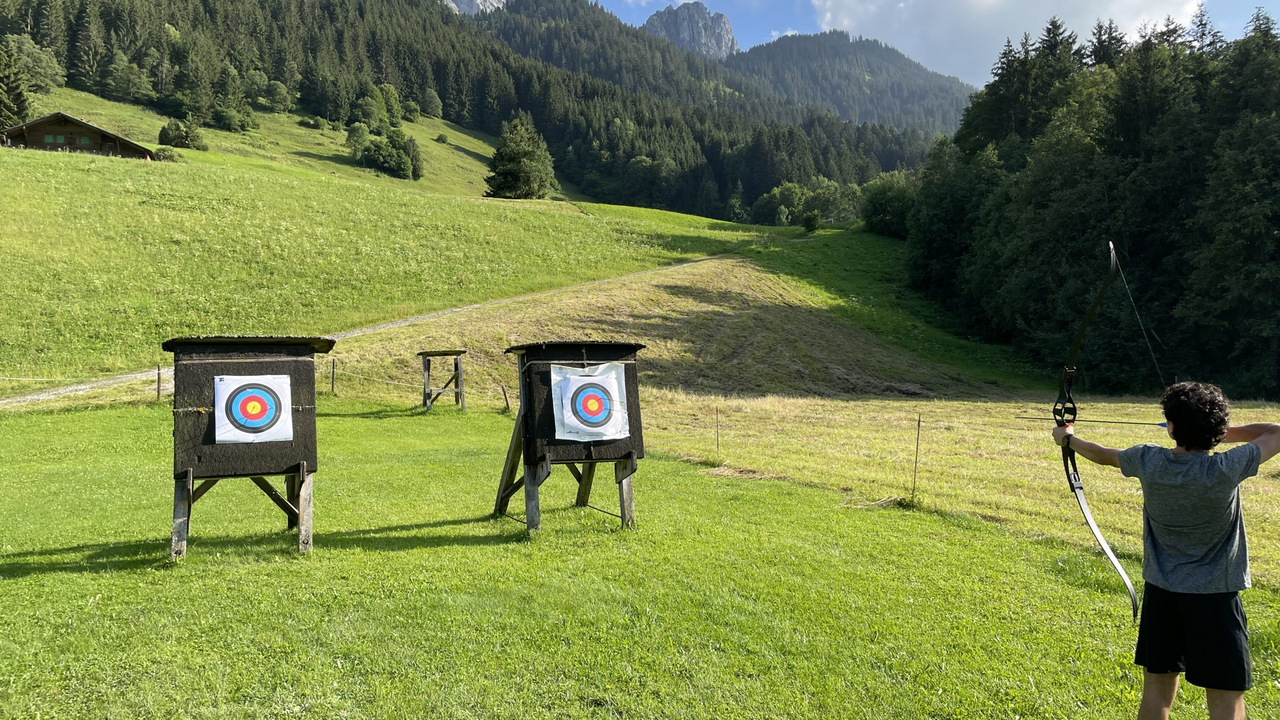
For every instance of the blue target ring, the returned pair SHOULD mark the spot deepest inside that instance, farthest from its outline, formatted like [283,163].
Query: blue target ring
[592,405]
[253,408]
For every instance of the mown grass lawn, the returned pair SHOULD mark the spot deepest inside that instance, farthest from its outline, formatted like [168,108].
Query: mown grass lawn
[734,598]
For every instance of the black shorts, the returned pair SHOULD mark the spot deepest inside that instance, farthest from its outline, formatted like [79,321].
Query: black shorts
[1204,636]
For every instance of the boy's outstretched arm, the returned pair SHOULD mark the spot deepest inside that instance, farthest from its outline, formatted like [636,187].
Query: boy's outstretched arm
[1265,435]
[1093,452]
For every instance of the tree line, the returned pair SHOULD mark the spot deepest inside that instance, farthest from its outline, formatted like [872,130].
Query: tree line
[1165,144]
[211,63]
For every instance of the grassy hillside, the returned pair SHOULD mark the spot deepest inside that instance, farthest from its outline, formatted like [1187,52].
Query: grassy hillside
[108,257]
[284,145]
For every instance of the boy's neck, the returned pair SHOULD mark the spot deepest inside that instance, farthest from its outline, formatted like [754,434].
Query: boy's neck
[1183,451]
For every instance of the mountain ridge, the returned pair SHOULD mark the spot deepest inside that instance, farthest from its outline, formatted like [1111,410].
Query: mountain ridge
[860,79]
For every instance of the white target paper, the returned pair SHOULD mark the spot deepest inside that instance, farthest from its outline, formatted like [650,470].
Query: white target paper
[590,403]
[252,409]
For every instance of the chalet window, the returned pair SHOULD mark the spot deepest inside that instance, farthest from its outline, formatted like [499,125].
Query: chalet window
[84,140]
[61,139]
[48,138]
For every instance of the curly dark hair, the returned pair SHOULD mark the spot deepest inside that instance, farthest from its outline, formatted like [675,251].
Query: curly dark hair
[1200,414]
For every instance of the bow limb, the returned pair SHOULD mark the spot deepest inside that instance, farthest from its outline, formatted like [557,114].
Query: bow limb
[1065,412]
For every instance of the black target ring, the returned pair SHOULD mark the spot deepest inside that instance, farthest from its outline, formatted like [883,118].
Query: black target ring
[232,409]
[583,412]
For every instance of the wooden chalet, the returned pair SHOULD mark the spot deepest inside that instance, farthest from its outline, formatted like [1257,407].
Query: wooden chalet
[60,131]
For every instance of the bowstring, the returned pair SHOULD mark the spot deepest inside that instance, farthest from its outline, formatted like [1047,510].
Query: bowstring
[1138,315]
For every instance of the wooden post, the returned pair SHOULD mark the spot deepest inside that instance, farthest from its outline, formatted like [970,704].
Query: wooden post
[292,489]
[622,472]
[333,377]
[157,382]
[426,383]
[534,475]
[306,486]
[460,397]
[181,516]
[584,484]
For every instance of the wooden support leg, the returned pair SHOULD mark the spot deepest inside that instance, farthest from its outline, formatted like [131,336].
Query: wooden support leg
[460,397]
[427,399]
[182,490]
[507,483]
[533,477]
[306,485]
[622,472]
[292,487]
[584,484]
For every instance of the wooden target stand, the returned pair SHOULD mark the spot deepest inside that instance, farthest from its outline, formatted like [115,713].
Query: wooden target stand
[534,447]
[199,458]
[431,395]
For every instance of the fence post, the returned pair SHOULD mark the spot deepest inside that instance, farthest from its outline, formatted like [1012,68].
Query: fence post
[157,382]
[916,471]
[333,377]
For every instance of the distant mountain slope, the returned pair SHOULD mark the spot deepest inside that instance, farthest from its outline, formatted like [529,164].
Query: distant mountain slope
[583,37]
[692,27]
[863,80]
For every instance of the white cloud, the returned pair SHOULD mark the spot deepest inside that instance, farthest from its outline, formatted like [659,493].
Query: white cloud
[963,37]
[789,31]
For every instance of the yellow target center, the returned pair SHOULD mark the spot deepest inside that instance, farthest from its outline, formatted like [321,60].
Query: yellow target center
[593,405]
[254,407]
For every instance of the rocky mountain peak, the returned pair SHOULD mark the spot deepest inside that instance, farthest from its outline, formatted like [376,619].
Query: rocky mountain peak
[471,7]
[692,27]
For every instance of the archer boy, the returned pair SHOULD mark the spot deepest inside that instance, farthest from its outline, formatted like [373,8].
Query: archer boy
[1195,560]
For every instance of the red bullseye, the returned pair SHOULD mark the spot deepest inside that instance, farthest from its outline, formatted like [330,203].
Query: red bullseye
[253,407]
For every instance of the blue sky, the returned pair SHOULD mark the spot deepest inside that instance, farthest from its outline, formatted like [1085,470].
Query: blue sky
[956,37]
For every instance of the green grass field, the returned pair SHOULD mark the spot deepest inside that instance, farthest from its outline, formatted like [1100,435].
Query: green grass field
[775,570]
[743,598]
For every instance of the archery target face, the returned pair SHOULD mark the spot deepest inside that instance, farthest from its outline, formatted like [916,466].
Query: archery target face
[252,409]
[590,403]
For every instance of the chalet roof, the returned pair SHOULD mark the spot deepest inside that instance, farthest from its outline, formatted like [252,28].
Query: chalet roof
[122,140]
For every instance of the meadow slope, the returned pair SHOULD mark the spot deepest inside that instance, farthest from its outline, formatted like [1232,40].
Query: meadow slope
[109,257]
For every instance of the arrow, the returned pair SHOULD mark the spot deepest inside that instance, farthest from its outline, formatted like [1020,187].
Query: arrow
[1104,422]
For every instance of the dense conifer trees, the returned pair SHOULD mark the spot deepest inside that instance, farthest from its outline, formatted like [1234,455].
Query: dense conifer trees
[1166,145]
[621,141]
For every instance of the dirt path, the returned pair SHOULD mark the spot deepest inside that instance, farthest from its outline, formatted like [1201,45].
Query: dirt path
[166,374]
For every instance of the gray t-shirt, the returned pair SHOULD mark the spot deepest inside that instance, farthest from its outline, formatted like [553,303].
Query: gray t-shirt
[1193,528]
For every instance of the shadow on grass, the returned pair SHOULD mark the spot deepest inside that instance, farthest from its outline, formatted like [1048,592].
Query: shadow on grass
[153,554]
[339,158]
[759,344]
[472,154]
[380,414]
